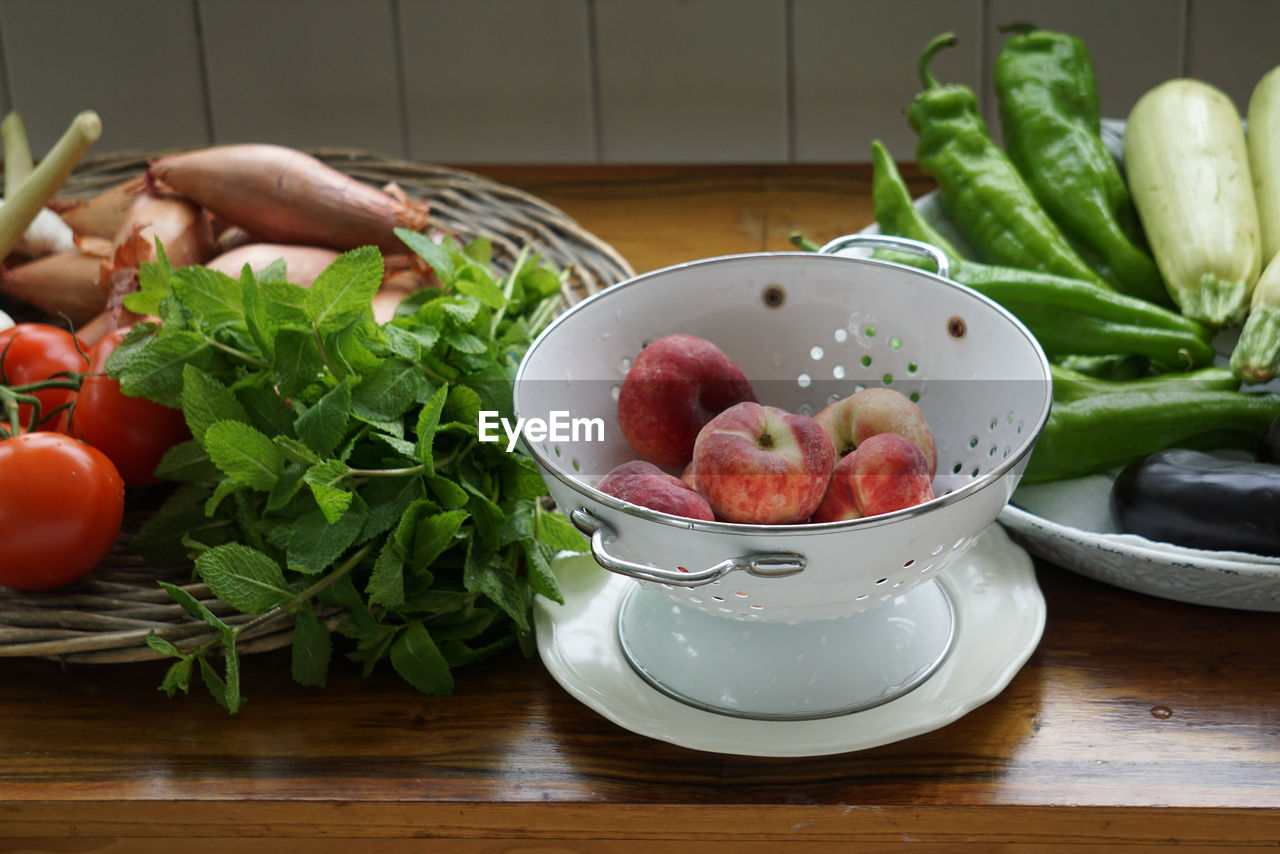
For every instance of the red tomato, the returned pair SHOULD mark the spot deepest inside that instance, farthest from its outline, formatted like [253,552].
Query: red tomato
[61,504]
[133,431]
[37,351]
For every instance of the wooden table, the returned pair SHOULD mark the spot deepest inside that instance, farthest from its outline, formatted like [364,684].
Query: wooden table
[1138,724]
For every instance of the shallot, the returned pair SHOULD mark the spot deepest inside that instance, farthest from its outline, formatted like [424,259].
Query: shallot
[181,227]
[302,263]
[101,215]
[282,195]
[64,283]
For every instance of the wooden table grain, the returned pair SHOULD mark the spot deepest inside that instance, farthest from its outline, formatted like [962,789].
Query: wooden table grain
[1138,725]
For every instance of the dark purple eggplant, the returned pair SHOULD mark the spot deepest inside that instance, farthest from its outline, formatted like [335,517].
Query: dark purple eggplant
[1269,446]
[1190,498]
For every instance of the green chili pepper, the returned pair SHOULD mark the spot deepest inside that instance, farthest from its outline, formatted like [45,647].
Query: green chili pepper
[1116,366]
[1071,385]
[1067,316]
[1103,431]
[980,187]
[1052,132]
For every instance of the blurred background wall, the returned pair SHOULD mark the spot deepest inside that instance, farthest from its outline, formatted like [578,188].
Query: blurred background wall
[571,81]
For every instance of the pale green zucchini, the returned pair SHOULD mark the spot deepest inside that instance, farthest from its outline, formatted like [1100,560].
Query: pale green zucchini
[1188,172]
[1264,158]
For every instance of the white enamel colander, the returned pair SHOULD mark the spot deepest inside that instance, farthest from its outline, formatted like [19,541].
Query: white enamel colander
[806,328]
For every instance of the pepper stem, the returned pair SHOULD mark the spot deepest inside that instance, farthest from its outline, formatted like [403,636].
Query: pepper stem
[938,43]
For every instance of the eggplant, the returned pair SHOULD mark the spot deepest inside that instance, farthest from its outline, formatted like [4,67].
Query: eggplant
[1194,499]
[1269,445]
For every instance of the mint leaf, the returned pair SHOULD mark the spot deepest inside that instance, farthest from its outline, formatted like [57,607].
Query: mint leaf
[297,363]
[186,461]
[324,424]
[266,409]
[153,287]
[205,400]
[256,319]
[476,282]
[162,537]
[315,543]
[178,676]
[325,479]
[416,658]
[450,494]
[312,649]
[225,691]
[393,387]
[428,250]
[559,533]
[344,290]
[483,574]
[215,296]
[428,421]
[244,578]
[283,302]
[386,582]
[295,451]
[162,646]
[155,370]
[538,557]
[194,606]
[244,454]
[435,534]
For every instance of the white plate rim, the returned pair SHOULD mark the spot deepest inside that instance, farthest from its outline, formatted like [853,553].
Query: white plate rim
[578,644]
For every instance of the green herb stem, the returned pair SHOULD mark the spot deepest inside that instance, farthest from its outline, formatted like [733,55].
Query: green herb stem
[400,472]
[247,358]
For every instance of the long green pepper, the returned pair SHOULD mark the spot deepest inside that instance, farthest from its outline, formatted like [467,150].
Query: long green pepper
[1103,431]
[1067,316]
[982,191]
[1049,113]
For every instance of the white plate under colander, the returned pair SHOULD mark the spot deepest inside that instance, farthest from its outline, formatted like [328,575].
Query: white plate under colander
[806,329]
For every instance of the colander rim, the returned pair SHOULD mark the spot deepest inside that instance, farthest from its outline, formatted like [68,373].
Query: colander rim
[1003,468]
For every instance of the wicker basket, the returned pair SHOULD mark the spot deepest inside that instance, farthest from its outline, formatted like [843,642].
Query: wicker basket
[106,617]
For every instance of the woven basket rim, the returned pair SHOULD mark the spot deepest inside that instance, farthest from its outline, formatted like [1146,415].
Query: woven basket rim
[105,618]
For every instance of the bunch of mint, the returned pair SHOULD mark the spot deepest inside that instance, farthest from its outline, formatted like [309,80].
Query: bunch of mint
[334,462]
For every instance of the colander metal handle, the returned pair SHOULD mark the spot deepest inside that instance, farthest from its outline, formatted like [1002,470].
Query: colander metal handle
[766,565]
[888,241]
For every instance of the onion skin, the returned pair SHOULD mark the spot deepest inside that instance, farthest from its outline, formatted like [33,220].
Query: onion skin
[282,195]
[302,263]
[101,215]
[182,228]
[64,283]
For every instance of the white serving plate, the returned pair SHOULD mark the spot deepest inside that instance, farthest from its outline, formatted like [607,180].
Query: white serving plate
[1000,616]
